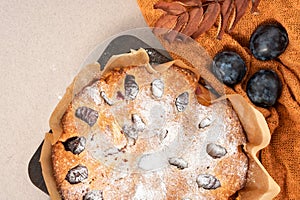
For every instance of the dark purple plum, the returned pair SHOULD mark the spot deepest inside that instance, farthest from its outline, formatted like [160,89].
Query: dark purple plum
[229,67]
[131,87]
[75,144]
[87,115]
[77,174]
[208,182]
[264,88]
[268,41]
[93,195]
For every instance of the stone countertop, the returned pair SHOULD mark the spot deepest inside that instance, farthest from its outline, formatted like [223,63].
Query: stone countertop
[43,44]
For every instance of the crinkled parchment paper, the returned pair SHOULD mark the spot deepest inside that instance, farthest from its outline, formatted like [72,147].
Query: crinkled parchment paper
[260,184]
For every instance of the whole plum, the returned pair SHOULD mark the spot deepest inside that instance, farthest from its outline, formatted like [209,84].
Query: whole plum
[263,88]
[268,41]
[229,67]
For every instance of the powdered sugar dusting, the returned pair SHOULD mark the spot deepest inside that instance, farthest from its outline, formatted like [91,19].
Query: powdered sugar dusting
[142,170]
[93,93]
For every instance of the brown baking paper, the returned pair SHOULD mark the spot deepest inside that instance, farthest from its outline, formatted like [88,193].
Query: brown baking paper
[259,185]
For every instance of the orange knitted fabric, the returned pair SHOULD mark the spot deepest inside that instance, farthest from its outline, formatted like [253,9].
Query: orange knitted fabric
[282,157]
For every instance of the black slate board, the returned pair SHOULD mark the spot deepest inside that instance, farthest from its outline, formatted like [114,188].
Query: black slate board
[35,170]
[124,43]
[119,45]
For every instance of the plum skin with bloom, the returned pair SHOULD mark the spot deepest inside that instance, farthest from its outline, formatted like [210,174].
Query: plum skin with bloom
[268,41]
[264,88]
[229,67]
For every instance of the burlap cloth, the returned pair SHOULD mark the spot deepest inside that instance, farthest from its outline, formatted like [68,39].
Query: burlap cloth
[282,157]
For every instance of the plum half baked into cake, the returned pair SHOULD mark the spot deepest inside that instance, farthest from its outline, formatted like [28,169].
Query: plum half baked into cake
[139,132]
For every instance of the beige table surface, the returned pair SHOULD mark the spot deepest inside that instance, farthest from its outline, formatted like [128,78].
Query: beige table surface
[43,44]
